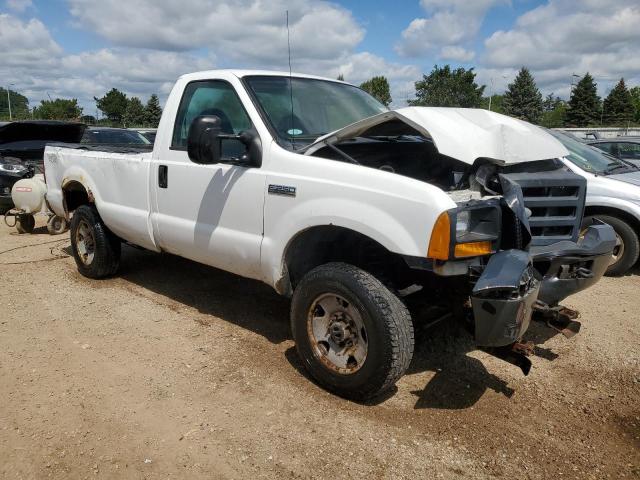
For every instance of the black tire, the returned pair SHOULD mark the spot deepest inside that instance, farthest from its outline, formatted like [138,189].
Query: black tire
[25,223]
[57,225]
[630,244]
[105,245]
[388,325]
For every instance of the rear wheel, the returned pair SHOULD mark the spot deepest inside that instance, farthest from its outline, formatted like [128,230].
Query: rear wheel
[25,223]
[95,249]
[354,335]
[625,254]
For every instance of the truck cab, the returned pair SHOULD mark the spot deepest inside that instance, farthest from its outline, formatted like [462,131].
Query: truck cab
[356,212]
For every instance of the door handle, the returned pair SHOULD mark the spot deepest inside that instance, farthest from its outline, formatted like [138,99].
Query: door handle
[163,180]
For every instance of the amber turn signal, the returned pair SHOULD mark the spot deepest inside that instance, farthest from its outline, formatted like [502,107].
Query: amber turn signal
[440,238]
[473,249]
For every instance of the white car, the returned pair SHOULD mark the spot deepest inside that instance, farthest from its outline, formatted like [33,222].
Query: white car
[355,212]
[613,196]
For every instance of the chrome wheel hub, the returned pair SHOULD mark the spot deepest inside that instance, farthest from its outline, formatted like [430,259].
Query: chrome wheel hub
[618,250]
[337,333]
[85,243]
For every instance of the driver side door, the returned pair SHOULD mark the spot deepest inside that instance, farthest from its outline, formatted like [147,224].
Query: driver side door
[209,213]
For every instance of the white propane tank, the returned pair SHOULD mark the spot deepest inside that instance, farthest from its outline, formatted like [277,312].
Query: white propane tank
[28,194]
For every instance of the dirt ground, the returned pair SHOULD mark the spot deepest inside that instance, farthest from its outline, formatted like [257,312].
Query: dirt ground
[176,370]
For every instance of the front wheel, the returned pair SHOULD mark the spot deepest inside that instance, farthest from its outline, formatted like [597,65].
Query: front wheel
[625,253]
[353,334]
[95,249]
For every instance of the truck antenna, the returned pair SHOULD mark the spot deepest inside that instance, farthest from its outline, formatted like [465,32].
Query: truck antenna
[291,131]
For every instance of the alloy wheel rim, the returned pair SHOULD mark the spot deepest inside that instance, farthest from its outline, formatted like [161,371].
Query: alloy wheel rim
[618,250]
[337,334]
[85,243]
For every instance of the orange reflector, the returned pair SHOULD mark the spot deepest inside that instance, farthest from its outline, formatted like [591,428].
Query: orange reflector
[440,238]
[473,249]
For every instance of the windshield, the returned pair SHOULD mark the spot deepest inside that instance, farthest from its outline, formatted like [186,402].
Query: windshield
[588,158]
[319,106]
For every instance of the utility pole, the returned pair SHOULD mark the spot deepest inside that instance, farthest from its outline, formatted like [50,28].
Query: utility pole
[9,100]
[490,92]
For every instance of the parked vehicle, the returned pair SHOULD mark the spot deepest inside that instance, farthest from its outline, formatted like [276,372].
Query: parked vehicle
[148,133]
[391,218]
[613,197]
[113,136]
[624,148]
[22,148]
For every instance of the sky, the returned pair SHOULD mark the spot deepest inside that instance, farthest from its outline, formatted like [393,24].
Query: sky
[82,48]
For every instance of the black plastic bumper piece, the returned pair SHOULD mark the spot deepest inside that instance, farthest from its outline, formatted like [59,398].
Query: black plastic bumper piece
[503,298]
[569,267]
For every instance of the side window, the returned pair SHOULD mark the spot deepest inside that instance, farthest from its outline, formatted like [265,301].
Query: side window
[629,150]
[210,97]
[606,147]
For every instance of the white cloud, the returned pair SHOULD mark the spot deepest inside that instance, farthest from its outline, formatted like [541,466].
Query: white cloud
[448,26]
[18,5]
[38,67]
[458,54]
[248,30]
[564,37]
[25,43]
[153,49]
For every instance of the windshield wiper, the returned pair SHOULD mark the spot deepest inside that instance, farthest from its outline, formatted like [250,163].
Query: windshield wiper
[615,167]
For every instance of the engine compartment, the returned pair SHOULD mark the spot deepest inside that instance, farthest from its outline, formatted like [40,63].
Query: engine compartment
[410,156]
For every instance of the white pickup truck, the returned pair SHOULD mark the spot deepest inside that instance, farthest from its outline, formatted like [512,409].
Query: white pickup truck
[355,212]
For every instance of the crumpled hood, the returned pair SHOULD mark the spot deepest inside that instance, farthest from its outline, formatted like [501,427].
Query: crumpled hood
[27,140]
[41,130]
[465,134]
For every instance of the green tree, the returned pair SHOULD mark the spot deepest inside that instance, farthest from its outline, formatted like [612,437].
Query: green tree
[551,102]
[444,87]
[554,110]
[617,108]
[19,105]
[379,88]
[153,111]
[113,105]
[523,99]
[58,109]
[134,115]
[584,104]
[340,77]
[635,100]
[497,102]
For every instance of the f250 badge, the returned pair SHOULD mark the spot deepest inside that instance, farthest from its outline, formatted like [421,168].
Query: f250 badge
[286,190]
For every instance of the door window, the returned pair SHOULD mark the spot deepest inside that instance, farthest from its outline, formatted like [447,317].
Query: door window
[211,97]
[629,150]
[607,147]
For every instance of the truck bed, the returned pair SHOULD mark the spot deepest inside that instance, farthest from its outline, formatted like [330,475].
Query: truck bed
[117,179]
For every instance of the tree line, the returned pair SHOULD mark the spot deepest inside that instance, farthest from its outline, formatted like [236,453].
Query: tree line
[117,108]
[442,87]
[447,87]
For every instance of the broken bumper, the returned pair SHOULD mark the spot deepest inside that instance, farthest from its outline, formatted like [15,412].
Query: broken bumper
[569,267]
[503,298]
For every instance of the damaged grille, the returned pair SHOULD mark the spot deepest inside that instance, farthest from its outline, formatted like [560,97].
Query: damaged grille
[556,200]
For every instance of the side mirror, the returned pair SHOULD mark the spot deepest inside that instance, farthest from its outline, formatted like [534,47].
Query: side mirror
[203,142]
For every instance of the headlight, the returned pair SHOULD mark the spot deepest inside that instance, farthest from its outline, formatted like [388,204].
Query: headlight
[12,168]
[470,230]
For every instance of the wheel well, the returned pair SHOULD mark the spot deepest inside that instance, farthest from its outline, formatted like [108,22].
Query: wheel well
[74,195]
[614,212]
[323,244]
